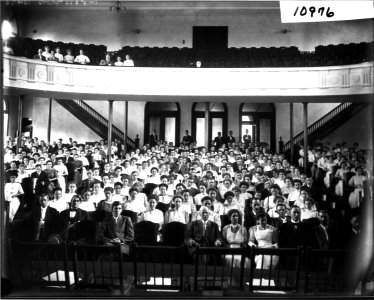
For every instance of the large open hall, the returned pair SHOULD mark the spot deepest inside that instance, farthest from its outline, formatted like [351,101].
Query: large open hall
[190,149]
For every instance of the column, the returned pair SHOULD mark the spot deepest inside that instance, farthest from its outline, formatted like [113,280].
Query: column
[49,121]
[207,116]
[291,133]
[110,125]
[125,127]
[305,106]
[19,121]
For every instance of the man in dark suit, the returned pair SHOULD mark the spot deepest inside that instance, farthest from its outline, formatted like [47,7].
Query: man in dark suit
[295,233]
[203,233]
[326,234]
[281,210]
[218,141]
[117,229]
[229,139]
[187,139]
[40,55]
[87,183]
[74,215]
[153,139]
[40,180]
[44,219]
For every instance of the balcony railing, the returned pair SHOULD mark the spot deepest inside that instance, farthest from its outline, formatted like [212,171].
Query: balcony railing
[121,83]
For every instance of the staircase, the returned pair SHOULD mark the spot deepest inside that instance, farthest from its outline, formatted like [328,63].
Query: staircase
[328,123]
[95,121]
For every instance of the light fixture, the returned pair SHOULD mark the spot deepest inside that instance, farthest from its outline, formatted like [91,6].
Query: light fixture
[118,5]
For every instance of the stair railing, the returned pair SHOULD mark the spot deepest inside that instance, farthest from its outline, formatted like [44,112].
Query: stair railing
[101,119]
[318,124]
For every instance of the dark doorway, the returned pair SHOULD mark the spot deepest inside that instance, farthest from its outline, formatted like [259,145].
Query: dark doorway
[210,38]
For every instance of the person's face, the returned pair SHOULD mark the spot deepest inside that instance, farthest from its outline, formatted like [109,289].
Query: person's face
[281,211]
[229,199]
[44,201]
[205,215]
[273,191]
[309,181]
[117,210]
[323,218]
[75,203]
[117,189]
[212,194]
[295,214]
[108,195]
[255,203]
[297,185]
[133,194]
[58,194]
[72,188]
[262,222]
[178,202]
[152,204]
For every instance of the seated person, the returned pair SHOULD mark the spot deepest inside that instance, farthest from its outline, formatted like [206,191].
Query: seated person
[58,55]
[177,214]
[152,214]
[74,215]
[235,236]
[119,62]
[117,229]
[128,62]
[44,219]
[203,233]
[69,58]
[107,61]
[214,217]
[81,58]
[46,53]
[107,203]
[40,55]
[59,202]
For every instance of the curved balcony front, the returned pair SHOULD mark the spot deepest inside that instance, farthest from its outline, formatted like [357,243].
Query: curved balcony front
[50,79]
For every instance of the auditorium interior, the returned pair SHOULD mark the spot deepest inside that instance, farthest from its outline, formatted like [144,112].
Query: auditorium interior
[184,88]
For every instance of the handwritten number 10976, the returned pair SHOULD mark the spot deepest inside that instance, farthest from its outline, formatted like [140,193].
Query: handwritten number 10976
[312,10]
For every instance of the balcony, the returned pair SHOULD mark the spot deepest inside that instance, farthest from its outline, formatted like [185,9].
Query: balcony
[50,79]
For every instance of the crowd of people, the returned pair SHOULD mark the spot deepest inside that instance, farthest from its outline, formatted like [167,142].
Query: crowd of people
[232,194]
[57,56]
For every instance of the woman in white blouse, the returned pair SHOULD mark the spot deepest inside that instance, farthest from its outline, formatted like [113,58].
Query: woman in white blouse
[177,214]
[153,214]
[12,190]
[62,171]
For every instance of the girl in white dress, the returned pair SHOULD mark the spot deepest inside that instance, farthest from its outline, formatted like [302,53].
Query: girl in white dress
[357,181]
[12,190]
[235,236]
[62,171]
[264,236]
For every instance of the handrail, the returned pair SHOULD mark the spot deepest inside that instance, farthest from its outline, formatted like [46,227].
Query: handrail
[318,124]
[100,118]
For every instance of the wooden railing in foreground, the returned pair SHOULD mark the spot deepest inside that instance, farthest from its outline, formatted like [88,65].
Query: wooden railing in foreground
[169,268]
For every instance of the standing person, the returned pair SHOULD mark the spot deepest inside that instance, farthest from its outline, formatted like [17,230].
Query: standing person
[247,139]
[81,58]
[107,61]
[218,141]
[117,229]
[69,58]
[230,138]
[58,55]
[153,138]
[12,191]
[128,61]
[62,171]
[187,139]
[119,62]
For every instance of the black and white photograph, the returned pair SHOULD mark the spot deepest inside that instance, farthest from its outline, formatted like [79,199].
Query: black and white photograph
[187,149]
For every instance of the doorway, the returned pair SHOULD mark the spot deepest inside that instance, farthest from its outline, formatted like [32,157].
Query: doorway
[210,38]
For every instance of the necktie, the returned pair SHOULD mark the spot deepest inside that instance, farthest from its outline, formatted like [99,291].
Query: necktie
[204,227]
